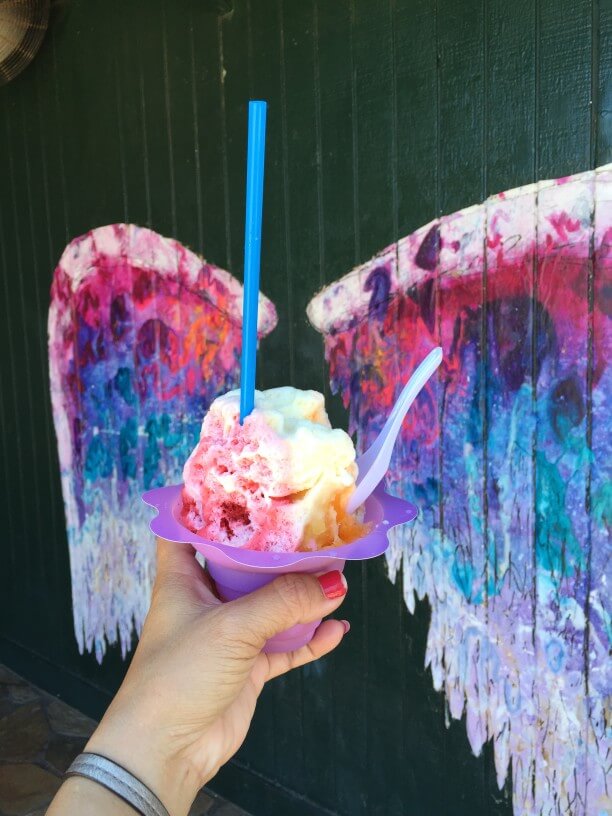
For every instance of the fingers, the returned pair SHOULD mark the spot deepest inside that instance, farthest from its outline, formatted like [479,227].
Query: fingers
[328,635]
[291,599]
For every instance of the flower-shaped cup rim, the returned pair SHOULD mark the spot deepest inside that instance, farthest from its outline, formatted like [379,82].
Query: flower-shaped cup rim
[381,509]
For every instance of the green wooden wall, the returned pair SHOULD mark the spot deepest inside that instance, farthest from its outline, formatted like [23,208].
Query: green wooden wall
[383,114]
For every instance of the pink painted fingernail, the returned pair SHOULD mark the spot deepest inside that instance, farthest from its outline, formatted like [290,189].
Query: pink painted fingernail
[347,626]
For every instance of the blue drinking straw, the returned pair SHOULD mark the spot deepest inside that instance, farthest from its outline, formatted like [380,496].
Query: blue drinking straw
[252,251]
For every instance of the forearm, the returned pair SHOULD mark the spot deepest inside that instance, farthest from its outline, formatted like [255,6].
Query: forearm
[133,742]
[133,745]
[78,796]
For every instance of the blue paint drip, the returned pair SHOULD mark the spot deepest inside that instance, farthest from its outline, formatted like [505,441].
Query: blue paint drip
[463,574]
[557,549]
[123,384]
[555,655]
[128,442]
[152,456]
[98,462]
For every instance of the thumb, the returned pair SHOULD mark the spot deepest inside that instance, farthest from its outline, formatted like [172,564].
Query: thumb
[174,558]
[180,578]
[288,600]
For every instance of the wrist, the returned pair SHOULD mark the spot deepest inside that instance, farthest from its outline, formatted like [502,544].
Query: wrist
[78,796]
[135,741]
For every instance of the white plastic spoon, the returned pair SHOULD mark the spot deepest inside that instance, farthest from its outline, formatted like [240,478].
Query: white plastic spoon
[373,464]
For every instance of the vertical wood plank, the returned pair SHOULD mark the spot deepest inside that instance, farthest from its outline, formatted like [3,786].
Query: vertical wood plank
[339,249]
[285,186]
[133,135]
[46,121]
[119,104]
[461,182]
[235,93]
[206,101]
[417,203]
[50,126]
[463,554]
[298,120]
[417,122]
[512,356]
[92,159]
[598,607]
[49,228]
[291,695]
[12,506]
[510,95]
[57,96]
[266,81]
[416,77]
[565,219]
[373,124]
[35,260]
[563,146]
[156,154]
[273,738]
[300,112]
[288,730]
[510,157]
[460,107]
[602,81]
[23,328]
[335,159]
[169,126]
[563,77]
[181,125]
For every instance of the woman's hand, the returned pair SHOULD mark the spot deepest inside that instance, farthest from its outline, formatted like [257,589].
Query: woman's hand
[187,701]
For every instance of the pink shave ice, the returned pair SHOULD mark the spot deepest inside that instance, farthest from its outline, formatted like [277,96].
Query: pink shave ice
[279,482]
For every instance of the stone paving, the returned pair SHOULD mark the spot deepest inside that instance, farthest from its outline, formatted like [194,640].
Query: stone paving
[39,738]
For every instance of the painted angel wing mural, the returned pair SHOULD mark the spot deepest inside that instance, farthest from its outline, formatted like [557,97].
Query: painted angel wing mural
[143,335]
[508,457]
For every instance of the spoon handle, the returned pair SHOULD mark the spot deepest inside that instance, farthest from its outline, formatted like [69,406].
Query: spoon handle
[374,462]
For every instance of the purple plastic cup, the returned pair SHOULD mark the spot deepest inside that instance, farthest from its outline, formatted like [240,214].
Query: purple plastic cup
[237,571]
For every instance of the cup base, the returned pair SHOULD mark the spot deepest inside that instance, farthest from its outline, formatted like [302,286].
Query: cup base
[232,584]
